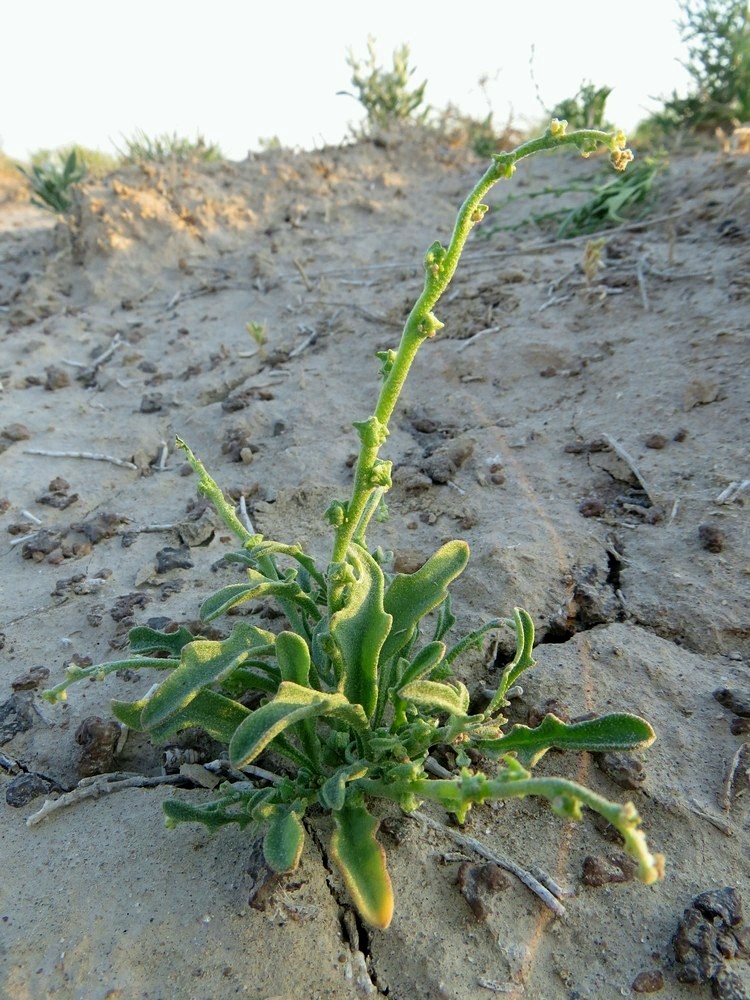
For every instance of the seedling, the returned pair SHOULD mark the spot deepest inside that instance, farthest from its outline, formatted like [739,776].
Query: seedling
[357,688]
[258,332]
[51,181]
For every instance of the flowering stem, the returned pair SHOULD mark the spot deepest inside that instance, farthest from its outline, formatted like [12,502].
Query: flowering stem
[440,265]
[457,795]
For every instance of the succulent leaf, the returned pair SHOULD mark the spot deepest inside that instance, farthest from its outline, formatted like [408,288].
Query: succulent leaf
[361,860]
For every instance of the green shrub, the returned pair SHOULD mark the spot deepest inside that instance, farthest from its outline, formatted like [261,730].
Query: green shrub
[52,179]
[586,109]
[385,94]
[717,33]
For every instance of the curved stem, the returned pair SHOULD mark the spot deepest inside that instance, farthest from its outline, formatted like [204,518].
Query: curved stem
[440,265]
[457,795]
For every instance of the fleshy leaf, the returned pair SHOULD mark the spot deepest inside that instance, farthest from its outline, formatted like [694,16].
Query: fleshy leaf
[445,619]
[433,694]
[425,661]
[217,715]
[359,630]
[143,639]
[292,704]
[210,814]
[284,839]
[293,658]
[203,662]
[129,713]
[361,860]
[332,795]
[523,660]
[411,596]
[619,731]
[257,587]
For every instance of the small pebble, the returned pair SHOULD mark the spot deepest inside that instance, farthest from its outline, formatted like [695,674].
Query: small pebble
[477,882]
[575,448]
[170,558]
[56,379]
[736,701]
[152,402]
[31,679]
[16,716]
[656,441]
[598,444]
[700,392]
[648,982]
[424,425]
[624,769]
[591,507]
[98,737]
[711,538]
[16,432]
[599,870]
[99,527]
[21,790]
[408,562]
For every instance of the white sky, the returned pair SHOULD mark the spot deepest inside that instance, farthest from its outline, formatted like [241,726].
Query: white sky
[91,71]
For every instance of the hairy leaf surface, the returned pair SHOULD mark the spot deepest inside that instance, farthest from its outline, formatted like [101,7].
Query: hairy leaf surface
[411,596]
[361,860]
[359,630]
[619,731]
[284,839]
[203,662]
[293,703]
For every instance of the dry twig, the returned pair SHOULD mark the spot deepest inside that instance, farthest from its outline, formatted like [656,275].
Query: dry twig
[630,462]
[498,859]
[104,784]
[92,456]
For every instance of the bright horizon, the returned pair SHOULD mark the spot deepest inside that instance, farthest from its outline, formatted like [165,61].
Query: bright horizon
[237,72]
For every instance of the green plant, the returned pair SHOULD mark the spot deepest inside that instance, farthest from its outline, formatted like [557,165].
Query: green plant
[52,179]
[357,687]
[717,33]
[385,94]
[141,148]
[614,201]
[93,161]
[608,203]
[586,109]
[258,332]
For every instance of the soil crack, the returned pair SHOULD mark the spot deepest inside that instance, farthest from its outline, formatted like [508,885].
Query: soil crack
[354,931]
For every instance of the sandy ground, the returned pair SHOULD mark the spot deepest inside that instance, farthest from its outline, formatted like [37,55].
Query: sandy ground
[128,324]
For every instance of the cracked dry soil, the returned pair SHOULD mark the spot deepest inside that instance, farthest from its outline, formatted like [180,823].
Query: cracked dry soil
[127,325]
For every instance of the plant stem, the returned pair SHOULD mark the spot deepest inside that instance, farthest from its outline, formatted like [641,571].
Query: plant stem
[208,488]
[440,265]
[458,794]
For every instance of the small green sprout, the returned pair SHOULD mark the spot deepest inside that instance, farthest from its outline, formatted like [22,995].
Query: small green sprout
[52,179]
[258,332]
[357,688]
